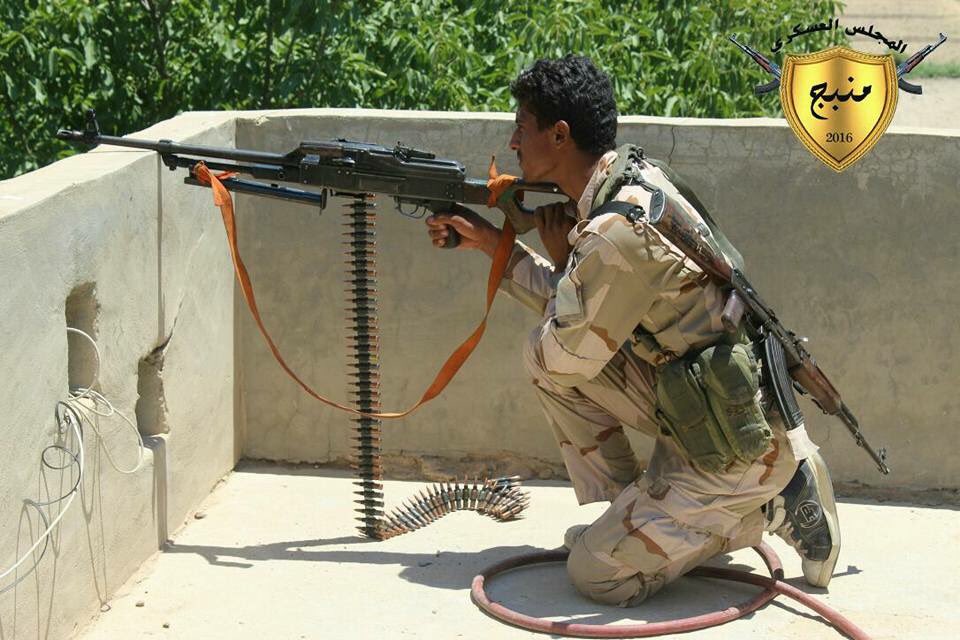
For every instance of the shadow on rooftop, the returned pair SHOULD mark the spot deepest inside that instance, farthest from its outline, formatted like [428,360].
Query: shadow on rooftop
[443,569]
[541,591]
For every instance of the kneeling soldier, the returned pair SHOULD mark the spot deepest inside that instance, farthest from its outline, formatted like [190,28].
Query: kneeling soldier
[631,335]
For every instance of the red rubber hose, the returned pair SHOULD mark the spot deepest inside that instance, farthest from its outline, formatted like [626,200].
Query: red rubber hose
[773,586]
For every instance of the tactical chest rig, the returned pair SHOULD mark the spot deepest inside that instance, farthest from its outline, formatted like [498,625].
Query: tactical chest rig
[708,399]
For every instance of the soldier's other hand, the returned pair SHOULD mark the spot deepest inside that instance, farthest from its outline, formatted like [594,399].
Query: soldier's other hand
[475,232]
[554,223]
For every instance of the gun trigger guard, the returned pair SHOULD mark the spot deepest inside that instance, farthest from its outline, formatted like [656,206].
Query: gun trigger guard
[417,212]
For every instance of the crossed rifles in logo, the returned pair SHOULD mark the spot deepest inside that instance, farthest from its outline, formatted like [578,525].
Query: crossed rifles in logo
[843,133]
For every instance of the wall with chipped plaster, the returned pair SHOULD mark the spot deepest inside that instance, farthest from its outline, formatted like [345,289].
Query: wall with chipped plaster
[863,262]
[144,259]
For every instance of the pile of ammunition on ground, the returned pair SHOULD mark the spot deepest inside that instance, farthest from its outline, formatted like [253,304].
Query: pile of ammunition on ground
[500,498]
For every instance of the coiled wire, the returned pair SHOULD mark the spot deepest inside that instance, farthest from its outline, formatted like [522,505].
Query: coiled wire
[82,404]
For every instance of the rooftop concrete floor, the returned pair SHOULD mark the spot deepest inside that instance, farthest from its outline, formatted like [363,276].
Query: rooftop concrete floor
[273,555]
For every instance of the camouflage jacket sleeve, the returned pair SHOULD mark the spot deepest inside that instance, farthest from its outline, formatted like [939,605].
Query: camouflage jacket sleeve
[600,299]
[529,278]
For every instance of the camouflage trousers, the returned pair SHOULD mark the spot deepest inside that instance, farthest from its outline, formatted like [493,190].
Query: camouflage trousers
[662,522]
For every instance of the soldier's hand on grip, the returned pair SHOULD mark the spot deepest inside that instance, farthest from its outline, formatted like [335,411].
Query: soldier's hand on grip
[467,226]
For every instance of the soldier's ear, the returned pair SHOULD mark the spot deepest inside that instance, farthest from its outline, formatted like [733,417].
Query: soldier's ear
[561,133]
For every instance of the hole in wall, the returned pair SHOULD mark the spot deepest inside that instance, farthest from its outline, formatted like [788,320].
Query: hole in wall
[151,405]
[81,311]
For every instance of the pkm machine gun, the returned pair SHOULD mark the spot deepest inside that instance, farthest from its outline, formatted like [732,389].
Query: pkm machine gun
[417,180]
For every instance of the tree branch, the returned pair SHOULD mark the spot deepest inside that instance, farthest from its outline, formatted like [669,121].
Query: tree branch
[159,44]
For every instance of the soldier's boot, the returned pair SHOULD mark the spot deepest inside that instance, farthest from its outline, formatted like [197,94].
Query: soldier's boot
[805,516]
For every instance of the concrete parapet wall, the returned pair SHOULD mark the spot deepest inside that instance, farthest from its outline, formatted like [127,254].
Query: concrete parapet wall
[109,241]
[863,262]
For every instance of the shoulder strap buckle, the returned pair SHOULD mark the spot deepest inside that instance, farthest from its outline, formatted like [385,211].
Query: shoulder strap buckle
[632,212]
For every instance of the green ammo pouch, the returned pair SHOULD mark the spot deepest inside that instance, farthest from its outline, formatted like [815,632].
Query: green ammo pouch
[710,405]
[732,380]
[685,414]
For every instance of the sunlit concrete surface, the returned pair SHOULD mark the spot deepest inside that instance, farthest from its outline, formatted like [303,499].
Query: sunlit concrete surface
[275,556]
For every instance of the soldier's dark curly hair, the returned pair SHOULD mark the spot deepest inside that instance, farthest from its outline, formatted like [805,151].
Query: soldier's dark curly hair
[573,89]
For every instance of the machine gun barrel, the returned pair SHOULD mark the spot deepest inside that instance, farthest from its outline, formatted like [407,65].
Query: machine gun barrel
[167,147]
[91,136]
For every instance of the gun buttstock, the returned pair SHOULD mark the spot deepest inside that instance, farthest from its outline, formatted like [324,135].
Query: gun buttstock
[511,203]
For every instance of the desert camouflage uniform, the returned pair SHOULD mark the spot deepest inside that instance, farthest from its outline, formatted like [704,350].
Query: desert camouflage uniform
[593,377]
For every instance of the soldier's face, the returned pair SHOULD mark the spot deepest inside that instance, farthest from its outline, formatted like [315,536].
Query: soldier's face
[536,153]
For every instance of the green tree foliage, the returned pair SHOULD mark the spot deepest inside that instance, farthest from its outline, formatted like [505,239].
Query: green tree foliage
[141,61]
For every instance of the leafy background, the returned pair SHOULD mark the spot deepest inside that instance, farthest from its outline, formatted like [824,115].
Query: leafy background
[138,62]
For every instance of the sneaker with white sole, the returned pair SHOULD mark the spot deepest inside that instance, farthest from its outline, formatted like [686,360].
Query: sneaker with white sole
[805,516]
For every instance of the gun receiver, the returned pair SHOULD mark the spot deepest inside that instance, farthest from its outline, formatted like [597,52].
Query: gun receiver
[415,179]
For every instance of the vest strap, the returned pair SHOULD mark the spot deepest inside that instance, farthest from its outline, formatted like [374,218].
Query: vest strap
[632,212]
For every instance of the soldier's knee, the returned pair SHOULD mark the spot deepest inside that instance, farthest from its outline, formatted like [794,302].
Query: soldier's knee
[609,581]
